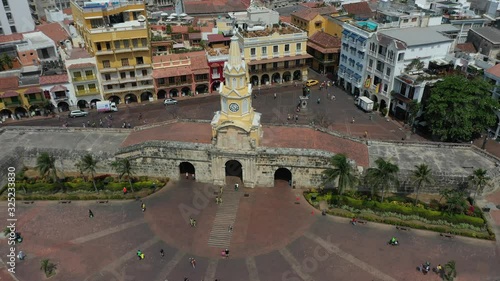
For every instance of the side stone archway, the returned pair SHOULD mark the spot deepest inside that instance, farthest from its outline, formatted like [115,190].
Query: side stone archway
[264,80]
[202,89]
[287,76]
[282,177]
[276,78]
[162,94]
[297,75]
[82,104]
[145,96]
[115,99]
[174,93]
[130,98]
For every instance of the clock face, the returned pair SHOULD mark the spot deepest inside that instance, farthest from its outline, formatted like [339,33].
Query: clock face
[234,107]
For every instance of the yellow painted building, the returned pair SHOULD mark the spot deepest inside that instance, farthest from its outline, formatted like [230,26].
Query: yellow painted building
[22,101]
[275,55]
[236,126]
[313,20]
[118,36]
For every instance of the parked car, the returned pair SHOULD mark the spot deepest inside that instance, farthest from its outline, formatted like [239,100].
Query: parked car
[78,113]
[311,82]
[169,102]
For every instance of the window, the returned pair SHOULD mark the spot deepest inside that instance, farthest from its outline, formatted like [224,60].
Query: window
[123,75]
[411,93]
[122,86]
[264,67]
[139,60]
[413,19]
[98,46]
[171,80]
[370,63]
[144,42]
[405,21]
[132,74]
[92,87]
[252,51]
[9,16]
[117,45]
[401,56]
[135,43]
[108,46]
[144,72]
[125,62]
[89,73]
[5,3]
[388,71]
[385,88]
[183,78]
[286,64]
[380,66]
[382,50]
[80,88]
[299,47]
[126,43]
[297,62]
[275,49]
[373,47]
[287,47]
[161,81]
[264,50]
[77,74]
[106,64]
[107,77]
[1,31]
[317,24]
[110,87]
[134,84]
[275,65]
[391,55]
[13,29]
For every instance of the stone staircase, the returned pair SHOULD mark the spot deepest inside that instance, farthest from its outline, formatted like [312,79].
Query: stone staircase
[226,215]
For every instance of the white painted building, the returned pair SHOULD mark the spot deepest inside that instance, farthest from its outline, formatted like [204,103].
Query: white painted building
[15,17]
[392,50]
[352,60]
[493,74]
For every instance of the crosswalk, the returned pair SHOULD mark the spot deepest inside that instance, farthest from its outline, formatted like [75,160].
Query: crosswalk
[220,236]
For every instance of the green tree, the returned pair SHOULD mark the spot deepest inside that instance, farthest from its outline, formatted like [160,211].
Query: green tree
[7,61]
[341,170]
[459,108]
[47,267]
[413,109]
[480,180]
[421,176]
[384,174]
[450,271]
[456,201]
[124,167]
[46,166]
[89,164]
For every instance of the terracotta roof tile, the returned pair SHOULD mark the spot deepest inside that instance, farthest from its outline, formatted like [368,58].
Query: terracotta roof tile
[81,65]
[58,88]
[325,40]
[217,38]
[179,29]
[33,90]
[306,14]
[79,53]
[53,79]
[175,57]
[54,31]
[9,83]
[287,19]
[359,9]
[199,63]
[171,72]
[11,38]
[467,47]
[494,70]
[214,7]
[68,11]
[10,94]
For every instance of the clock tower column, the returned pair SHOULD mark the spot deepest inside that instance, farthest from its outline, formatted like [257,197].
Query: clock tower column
[236,126]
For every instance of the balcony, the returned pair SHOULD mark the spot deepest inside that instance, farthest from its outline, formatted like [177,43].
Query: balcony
[108,70]
[84,78]
[287,53]
[126,67]
[89,92]
[110,81]
[129,88]
[276,55]
[36,101]
[127,80]
[12,103]
[264,56]
[215,75]
[139,48]
[104,52]
[60,98]
[143,78]
[142,66]
[121,50]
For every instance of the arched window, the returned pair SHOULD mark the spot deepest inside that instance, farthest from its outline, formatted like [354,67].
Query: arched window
[234,84]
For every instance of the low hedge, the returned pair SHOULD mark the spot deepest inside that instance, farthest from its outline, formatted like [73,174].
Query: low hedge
[431,215]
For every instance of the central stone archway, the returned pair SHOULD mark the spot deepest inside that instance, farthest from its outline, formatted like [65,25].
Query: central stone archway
[282,177]
[234,169]
[186,168]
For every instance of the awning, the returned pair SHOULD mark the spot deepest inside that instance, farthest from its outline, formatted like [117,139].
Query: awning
[33,91]
[346,33]
[342,67]
[357,76]
[201,71]
[353,36]
[58,88]
[10,94]
[359,64]
[349,71]
[402,98]
[361,39]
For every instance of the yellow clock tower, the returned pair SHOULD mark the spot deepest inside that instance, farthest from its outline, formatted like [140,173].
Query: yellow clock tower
[236,126]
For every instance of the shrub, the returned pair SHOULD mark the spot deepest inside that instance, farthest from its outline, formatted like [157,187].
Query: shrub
[101,177]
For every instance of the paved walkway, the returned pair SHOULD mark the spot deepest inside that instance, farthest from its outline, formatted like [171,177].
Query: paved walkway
[277,236]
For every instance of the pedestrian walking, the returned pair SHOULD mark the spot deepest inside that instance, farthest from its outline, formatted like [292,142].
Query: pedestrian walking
[371,117]
[187,175]
[124,125]
[289,117]
[296,118]
[366,134]
[319,100]
[220,200]
[230,228]
[191,222]
[217,200]
[192,261]
[124,190]
[235,187]
[143,207]
[128,125]
[91,215]
[274,95]
[141,257]
[162,253]
[353,120]
[83,124]
[221,189]
[194,223]
[140,116]
[227,253]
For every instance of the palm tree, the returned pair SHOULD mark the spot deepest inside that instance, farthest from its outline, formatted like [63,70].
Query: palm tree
[124,167]
[385,173]
[47,267]
[480,180]
[88,164]
[450,271]
[421,176]
[46,166]
[7,61]
[341,170]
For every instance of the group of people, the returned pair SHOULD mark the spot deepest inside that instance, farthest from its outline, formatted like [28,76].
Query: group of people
[426,267]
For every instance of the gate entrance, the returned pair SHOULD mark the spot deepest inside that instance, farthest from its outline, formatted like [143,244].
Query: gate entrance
[234,169]
[282,177]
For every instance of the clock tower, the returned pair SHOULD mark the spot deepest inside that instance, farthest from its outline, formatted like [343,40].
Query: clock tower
[236,126]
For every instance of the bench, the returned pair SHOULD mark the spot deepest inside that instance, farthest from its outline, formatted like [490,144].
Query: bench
[64,201]
[28,202]
[402,228]
[102,201]
[486,210]
[362,222]
[447,235]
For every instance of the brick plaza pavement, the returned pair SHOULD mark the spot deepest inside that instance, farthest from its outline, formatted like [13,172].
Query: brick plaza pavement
[274,239]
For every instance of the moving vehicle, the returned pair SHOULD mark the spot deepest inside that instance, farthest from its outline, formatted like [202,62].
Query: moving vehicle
[106,106]
[78,113]
[311,82]
[365,103]
[170,101]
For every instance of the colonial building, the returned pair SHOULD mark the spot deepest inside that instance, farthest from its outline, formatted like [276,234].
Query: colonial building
[275,55]
[181,75]
[313,20]
[217,55]
[17,102]
[85,80]
[60,91]
[394,51]
[487,41]
[15,17]
[118,35]
[325,50]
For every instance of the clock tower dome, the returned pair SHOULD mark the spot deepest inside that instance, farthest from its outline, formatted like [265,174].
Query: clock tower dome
[236,126]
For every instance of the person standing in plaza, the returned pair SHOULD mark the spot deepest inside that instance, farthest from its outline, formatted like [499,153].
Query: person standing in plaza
[143,207]
[124,190]
[274,95]
[91,215]
[162,253]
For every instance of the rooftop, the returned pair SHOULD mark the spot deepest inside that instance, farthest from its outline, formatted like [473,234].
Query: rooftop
[467,48]
[489,33]
[78,53]
[9,83]
[54,31]
[35,40]
[311,13]
[287,11]
[11,38]
[281,30]
[214,6]
[324,42]
[495,71]
[361,10]
[54,79]
[416,36]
